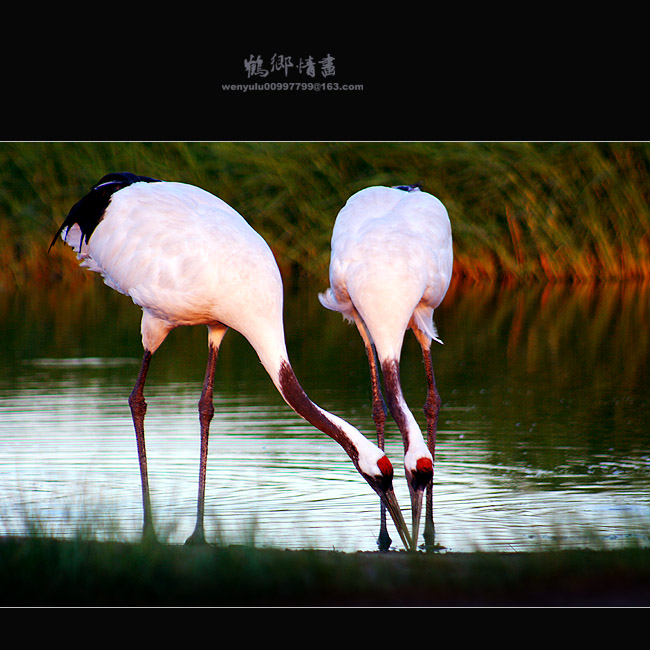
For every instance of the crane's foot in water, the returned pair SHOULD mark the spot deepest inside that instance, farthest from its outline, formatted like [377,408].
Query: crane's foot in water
[384,541]
[149,534]
[197,538]
[430,538]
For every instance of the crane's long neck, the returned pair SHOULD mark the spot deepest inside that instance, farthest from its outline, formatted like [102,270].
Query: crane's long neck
[408,426]
[270,346]
[294,395]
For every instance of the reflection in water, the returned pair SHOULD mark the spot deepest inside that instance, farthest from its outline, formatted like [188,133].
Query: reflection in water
[543,431]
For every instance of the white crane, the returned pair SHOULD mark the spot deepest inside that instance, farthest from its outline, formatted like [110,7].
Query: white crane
[390,267]
[187,258]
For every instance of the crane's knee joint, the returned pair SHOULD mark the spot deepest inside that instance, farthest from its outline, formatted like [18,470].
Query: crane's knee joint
[206,409]
[379,414]
[137,404]
[432,406]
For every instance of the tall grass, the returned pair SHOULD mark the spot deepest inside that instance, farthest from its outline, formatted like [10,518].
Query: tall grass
[554,211]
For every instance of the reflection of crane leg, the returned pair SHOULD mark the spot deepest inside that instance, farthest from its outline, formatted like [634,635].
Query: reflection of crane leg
[379,416]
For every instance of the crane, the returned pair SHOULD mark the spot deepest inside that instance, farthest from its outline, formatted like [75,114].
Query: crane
[186,257]
[390,267]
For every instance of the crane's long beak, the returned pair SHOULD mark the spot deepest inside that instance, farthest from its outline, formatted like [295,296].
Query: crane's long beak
[390,501]
[416,512]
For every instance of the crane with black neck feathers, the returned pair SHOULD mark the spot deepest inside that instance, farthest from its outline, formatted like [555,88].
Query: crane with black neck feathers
[188,258]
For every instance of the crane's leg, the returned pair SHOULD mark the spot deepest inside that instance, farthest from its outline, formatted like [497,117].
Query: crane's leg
[138,410]
[379,412]
[206,413]
[431,411]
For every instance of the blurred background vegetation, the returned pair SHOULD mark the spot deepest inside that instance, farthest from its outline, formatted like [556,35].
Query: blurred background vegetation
[520,211]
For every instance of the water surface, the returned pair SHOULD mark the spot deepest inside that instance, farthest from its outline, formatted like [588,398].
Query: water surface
[543,436]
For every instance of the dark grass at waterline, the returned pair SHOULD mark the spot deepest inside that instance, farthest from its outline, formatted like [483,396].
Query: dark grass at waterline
[45,572]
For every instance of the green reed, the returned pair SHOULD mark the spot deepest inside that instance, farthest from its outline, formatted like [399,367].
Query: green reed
[519,210]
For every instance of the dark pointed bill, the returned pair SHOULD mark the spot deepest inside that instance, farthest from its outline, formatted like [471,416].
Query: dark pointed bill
[416,511]
[390,501]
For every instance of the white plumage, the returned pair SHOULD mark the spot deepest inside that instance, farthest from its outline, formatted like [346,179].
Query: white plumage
[187,258]
[391,265]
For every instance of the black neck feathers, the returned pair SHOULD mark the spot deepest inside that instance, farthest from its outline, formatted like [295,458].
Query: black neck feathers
[301,404]
[89,211]
[416,187]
